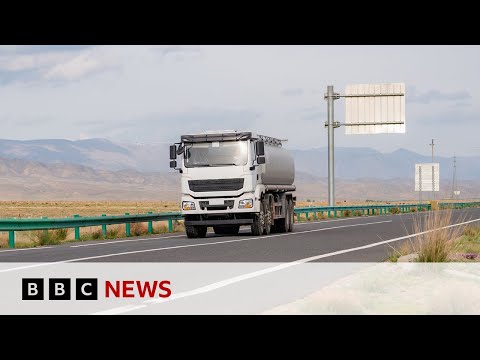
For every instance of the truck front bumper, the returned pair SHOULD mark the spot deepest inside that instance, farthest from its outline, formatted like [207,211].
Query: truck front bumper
[215,222]
[220,206]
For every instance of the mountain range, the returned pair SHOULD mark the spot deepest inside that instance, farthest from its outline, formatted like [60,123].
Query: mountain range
[102,169]
[350,163]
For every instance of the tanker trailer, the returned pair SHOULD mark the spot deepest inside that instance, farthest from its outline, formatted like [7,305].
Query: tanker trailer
[231,179]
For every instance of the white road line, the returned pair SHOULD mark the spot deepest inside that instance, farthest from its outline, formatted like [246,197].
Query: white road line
[236,279]
[128,240]
[32,248]
[253,238]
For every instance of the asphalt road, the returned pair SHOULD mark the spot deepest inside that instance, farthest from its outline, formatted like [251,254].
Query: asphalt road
[357,239]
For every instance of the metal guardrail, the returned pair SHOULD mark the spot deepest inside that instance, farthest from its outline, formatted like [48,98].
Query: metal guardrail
[458,205]
[12,225]
[369,209]
[76,222]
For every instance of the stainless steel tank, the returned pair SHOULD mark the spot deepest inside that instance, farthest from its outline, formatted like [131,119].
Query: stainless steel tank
[279,167]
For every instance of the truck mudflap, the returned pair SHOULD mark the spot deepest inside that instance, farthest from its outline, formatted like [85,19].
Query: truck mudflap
[216,222]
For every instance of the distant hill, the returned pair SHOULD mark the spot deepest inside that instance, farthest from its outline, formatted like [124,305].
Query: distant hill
[351,163]
[354,163]
[31,180]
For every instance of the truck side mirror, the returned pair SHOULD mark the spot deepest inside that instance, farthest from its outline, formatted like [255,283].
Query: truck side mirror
[260,149]
[173,164]
[261,160]
[173,153]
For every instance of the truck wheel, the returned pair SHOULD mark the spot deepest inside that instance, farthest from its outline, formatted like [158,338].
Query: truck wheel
[226,230]
[288,219]
[268,216]
[290,215]
[258,224]
[192,231]
[202,231]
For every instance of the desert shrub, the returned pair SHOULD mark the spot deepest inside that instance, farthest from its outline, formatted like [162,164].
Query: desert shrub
[395,210]
[60,234]
[357,213]
[96,234]
[112,232]
[138,229]
[347,213]
[437,243]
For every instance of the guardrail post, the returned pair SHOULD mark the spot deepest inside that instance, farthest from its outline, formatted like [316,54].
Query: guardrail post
[150,225]
[170,225]
[104,228]
[306,216]
[329,214]
[334,213]
[11,239]
[298,217]
[314,215]
[127,227]
[77,229]
[45,232]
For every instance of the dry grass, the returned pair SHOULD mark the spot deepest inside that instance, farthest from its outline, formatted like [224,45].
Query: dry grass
[437,244]
[469,243]
[36,209]
[138,229]
[405,248]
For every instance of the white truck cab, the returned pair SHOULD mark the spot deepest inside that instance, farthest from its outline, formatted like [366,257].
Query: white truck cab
[231,178]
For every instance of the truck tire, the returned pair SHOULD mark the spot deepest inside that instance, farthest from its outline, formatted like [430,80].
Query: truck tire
[226,230]
[281,225]
[290,215]
[268,216]
[287,215]
[258,224]
[202,231]
[194,232]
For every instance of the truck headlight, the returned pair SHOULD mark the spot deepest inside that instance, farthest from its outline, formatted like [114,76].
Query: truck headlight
[245,204]
[188,205]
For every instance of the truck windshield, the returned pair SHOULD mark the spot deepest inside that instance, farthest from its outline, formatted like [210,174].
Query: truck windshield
[216,154]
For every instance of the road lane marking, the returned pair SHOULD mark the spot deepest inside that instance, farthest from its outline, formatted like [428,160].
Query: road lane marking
[190,245]
[236,279]
[31,248]
[127,240]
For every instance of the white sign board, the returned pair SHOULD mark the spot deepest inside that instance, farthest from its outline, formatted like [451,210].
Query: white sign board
[375,104]
[457,192]
[427,177]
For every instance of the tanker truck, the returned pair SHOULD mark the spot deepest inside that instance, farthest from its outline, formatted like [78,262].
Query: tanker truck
[230,179]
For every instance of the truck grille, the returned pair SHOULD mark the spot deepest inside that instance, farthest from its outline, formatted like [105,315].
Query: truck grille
[215,185]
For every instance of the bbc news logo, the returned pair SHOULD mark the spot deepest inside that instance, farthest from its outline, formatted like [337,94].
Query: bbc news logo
[60,289]
[87,289]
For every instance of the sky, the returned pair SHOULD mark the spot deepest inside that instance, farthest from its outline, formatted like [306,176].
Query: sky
[153,94]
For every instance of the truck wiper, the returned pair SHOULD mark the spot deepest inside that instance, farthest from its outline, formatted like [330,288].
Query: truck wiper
[224,164]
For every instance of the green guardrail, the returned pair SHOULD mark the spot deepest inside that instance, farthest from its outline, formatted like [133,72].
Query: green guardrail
[365,209]
[458,205]
[77,222]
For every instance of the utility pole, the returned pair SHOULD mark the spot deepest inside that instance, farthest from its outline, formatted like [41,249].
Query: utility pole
[433,173]
[454,180]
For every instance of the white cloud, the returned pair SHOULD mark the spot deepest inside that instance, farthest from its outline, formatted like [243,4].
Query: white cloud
[81,65]
[153,81]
